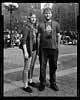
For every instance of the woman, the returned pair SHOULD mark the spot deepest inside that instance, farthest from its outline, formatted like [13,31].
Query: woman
[30,48]
[33,24]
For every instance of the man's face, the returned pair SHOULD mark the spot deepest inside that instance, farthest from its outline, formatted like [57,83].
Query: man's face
[48,15]
[33,18]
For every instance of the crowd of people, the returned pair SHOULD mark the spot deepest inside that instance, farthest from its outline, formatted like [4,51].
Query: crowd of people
[40,39]
[16,37]
[68,37]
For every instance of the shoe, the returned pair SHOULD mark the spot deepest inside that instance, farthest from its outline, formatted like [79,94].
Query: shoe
[31,84]
[41,88]
[28,89]
[54,87]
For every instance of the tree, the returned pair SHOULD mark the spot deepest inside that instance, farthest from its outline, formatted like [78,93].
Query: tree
[64,13]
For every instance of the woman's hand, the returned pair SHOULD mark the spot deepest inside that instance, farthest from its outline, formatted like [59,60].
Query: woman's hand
[26,55]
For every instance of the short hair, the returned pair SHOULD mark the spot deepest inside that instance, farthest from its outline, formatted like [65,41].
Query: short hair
[45,10]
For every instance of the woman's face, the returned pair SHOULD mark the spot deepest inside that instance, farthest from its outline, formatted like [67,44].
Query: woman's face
[33,18]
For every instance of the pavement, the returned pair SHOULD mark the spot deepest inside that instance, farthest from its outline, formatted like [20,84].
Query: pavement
[66,74]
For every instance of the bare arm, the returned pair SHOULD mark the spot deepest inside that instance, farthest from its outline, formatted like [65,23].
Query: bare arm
[25,51]
[59,39]
[58,33]
[25,34]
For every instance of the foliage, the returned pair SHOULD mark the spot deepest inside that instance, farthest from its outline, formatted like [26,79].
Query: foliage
[64,13]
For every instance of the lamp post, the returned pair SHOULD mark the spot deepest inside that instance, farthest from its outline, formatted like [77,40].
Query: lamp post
[11,7]
[31,8]
[76,14]
[75,6]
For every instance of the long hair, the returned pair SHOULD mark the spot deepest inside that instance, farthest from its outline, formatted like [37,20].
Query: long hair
[29,20]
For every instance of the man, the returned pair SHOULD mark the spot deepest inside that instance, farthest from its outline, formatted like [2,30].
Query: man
[49,31]
[29,51]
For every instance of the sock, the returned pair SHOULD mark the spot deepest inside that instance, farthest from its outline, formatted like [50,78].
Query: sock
[25,85]
[30,80]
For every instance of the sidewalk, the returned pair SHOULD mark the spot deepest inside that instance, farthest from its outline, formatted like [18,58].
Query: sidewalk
[66,80]
[66,74]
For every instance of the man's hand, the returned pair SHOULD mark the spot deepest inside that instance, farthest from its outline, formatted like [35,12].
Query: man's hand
[59,39]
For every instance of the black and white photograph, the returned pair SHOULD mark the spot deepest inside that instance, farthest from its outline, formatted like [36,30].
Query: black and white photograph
[40,49]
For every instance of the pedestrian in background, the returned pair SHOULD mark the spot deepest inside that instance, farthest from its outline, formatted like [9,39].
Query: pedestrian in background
[49,32]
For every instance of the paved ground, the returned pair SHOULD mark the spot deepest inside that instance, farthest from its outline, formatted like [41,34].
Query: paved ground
[66,74]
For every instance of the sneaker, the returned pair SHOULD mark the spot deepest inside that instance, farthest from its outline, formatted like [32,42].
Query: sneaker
[31,84]
[28,89]
[54,87]
[41,88]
